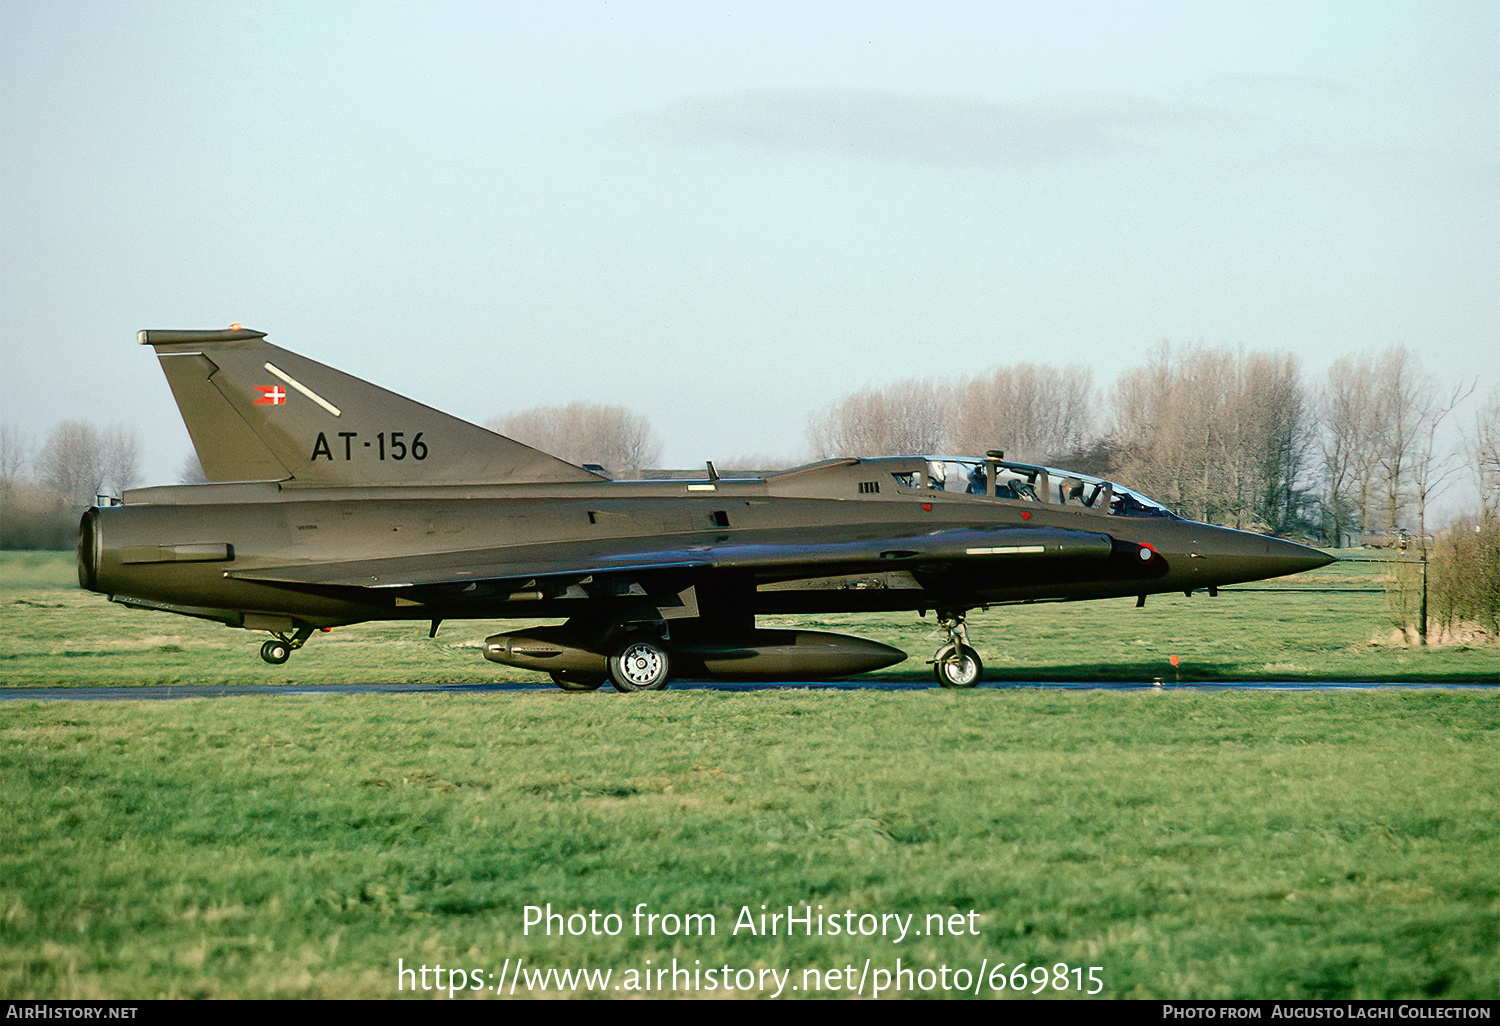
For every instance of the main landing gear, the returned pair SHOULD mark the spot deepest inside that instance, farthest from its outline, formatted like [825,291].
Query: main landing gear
[280,648]
[956,664]
[640,664]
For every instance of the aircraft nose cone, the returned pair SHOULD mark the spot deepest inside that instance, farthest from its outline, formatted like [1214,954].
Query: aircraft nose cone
[1229,556]
[1294,558]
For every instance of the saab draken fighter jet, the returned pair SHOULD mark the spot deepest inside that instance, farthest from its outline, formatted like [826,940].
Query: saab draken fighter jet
[332,501]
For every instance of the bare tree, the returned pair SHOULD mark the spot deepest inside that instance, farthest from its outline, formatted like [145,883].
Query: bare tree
[15,453]
[71,462]
[610,436]
[15,461]
[78,461]
[75,463]
[1348,433]
[1220,435]
[1175,423]
[1430,469]
[903,419]
[1032,412]
[1430,466]
[1483,448]
[1399,384]
[121,458]
[1276,439]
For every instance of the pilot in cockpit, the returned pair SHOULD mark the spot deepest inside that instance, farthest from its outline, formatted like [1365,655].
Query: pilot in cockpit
[1017,489]
[976,480]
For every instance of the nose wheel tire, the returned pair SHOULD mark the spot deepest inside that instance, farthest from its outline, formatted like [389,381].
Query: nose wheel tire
[639,665]
[280,648]
[957,666]
[578,682]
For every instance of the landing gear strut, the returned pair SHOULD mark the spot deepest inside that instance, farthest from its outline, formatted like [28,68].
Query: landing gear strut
[955,664]
[280,648]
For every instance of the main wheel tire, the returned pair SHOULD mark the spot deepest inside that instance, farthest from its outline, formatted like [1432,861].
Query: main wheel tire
[275,652]
[640,665]
[579,681]
[957,666]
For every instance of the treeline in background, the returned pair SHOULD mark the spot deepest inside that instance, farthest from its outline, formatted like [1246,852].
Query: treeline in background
[45,489]
[1239,439]
[1226,436]
[1219,435]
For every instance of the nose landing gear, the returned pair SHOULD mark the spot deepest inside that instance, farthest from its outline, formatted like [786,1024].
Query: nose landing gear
[956,664]
[280,648]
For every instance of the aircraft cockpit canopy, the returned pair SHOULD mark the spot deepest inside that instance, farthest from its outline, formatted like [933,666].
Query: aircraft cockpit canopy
[1004,479]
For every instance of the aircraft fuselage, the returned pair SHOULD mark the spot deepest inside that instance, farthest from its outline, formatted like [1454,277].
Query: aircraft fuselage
[336,501]
[198,547]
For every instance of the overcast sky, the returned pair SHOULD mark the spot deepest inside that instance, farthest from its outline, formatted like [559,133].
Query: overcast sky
[727,215]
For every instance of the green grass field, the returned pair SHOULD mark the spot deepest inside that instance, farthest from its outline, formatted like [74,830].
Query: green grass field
[1189,844]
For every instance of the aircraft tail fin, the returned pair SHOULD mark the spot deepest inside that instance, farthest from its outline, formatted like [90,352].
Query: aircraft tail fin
[257,412]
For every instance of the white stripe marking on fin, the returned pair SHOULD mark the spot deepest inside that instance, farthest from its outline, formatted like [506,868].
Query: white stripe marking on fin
[299,386]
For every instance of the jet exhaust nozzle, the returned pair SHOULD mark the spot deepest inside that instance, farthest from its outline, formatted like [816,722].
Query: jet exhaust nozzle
[88,550]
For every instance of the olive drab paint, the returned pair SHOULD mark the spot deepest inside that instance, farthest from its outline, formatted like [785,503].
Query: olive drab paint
[333,501]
